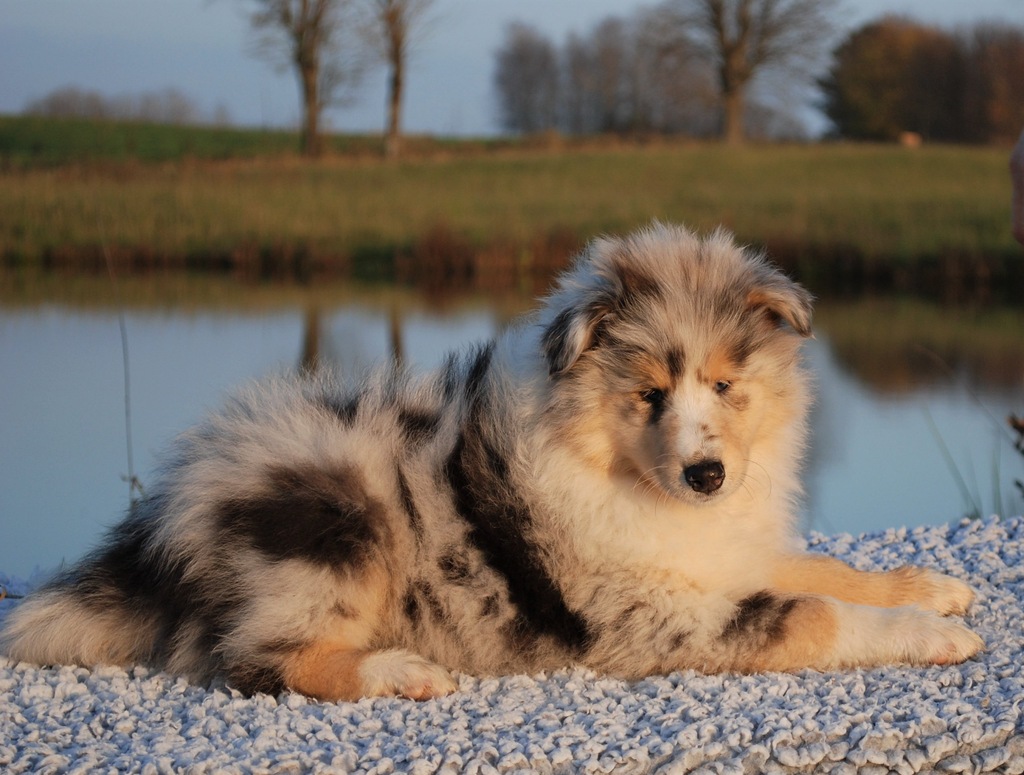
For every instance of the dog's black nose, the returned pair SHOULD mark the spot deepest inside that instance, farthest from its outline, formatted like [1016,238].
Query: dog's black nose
[706,476]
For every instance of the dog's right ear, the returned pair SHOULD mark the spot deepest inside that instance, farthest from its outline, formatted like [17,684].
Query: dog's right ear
[587,295]
[571,334]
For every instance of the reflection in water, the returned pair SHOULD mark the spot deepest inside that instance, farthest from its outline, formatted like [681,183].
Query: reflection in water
[309,359]
[875,460]
[395,334]
[900,345]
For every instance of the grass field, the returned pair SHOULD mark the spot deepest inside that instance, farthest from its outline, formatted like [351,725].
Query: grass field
[30,141]
[822,206]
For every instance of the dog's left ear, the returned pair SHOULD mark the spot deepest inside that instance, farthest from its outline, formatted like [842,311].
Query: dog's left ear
[782,300]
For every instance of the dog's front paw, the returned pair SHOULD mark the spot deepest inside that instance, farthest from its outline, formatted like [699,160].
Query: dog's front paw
[938,641]
[905,635]
[921,637]
[934,591]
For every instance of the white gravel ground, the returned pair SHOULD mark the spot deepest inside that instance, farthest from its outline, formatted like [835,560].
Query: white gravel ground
[965,718]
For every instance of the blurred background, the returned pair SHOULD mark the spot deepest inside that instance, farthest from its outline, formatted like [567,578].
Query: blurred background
[194,194]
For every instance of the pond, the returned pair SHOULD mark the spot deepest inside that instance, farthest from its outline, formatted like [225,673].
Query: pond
[909,426]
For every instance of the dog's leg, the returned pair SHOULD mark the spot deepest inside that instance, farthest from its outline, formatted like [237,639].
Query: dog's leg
[645,630]
[320,634]
[769,631]
[820,575]
[331,671]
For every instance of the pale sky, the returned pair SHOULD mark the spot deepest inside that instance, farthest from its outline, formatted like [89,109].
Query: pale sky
[125,47]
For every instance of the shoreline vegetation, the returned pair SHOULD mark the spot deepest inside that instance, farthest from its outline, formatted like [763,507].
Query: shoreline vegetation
[492,215]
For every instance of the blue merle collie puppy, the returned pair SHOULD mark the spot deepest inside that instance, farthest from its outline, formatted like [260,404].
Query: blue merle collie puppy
[609,483]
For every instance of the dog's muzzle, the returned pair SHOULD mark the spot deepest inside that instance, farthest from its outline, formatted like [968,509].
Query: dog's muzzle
[704,477]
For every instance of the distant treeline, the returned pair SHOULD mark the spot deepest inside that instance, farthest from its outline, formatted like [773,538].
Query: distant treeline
[649,73]
[659,70]
[896,75]
[167,106]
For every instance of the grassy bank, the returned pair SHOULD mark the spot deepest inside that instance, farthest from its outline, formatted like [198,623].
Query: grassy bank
[859,209]
[28,142]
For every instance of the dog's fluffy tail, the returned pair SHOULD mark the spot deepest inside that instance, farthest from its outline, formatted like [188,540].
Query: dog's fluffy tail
[88,615]
[55,627]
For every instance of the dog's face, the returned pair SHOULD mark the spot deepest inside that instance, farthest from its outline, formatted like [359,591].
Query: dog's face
[671,358]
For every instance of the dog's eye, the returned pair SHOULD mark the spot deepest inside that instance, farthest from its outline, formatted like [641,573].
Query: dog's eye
[653,396]
[722,386]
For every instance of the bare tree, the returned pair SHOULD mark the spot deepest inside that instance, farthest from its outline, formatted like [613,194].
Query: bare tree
[579,84]
[314,36]
[748,37]
[635,74]
[674,85]
[612,51]
[526,79]
[392,30]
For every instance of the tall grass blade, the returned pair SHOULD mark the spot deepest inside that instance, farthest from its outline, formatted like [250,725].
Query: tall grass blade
[970,502]
[997,486]
[134,485]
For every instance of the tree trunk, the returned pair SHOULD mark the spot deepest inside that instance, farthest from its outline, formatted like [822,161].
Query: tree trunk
[309,75]
[733,43]
[392,143]
[396,20]
[732,116]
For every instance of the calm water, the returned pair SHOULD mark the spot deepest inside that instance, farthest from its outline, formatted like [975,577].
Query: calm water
[877,458]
